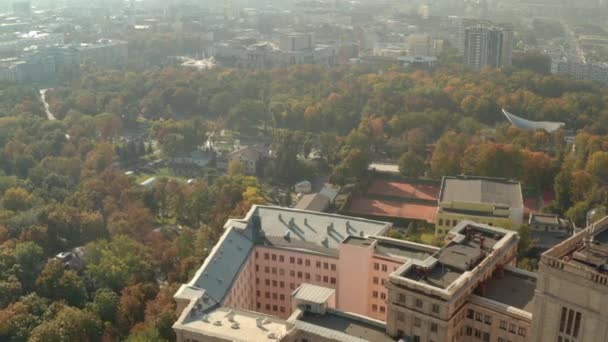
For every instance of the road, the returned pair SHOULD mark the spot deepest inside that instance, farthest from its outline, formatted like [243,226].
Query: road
[49,115]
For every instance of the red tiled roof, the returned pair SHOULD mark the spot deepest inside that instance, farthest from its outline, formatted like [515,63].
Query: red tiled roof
[404,190]
[398,209]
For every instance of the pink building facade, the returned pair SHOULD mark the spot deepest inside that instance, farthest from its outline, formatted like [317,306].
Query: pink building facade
[357,273]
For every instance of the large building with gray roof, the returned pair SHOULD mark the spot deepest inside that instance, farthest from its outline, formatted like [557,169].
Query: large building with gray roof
[289,275]
[493,201]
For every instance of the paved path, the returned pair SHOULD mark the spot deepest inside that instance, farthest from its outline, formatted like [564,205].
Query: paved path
[49,115]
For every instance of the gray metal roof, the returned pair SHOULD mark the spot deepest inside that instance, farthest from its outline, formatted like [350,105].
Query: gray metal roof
[528,125]
[481,190]
[343,327]
[313,293]
[320,232]
[223,264]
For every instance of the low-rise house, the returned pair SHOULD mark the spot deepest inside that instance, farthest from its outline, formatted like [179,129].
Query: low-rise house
[247,155]
[547,230]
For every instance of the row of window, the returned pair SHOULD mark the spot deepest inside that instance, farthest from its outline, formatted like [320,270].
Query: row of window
[503,325]
[418,303]
[268,295]
[273,308]
[298,261]
[299,275]
[384,267]
[484,336]
[376,308]
[382,295]
[569,325]
[281,284]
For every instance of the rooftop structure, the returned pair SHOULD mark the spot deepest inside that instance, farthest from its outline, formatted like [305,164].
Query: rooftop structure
[527,125]
[313,202]
[341,326]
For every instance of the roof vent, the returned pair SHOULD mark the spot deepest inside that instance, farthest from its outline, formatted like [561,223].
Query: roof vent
[326,241]
[306,221]
[265,321]
[230,315]
[287,235]
[330,227]
[259,322]
[217,323]
[205,318]
[361,234]
[291,222]
[235,325]
[280,217]
[272,336]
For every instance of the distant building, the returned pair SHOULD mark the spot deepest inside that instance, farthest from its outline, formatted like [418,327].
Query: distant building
[581,71]
[488,46]
[419,62]
[105,52]
[493,201]
[547,230]
[419,45]
[247,155]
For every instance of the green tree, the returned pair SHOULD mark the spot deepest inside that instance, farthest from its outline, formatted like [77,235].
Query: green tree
[57,283]
[411,166]
[70,324]
[29,256]
[597,165]
[17,199]
[105,304]
[118,263]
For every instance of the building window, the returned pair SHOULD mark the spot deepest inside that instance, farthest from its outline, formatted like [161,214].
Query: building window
[486,337]
[257,293]
[267,282]
[440,222]
[282,297]
[435,308]
[257,268]
[477,333]
[266,256]
[375,280]
[282,309]
[292,286]
[274,257]
[512,328]
[487,319]
[274,270]
[570,322]
[325,265]
[258,305]
[275,296]
[299,261]
[384,268]
[419,303]
[400,316]
[257,280]
[417,322]
[281,284]
[292,273]
[274,308]
[307,276]
[401,298]
[306,262]
[383,281]
[376,266]
[292,260]
[281,258]
[503,325]
[325,279]
[281,271]
[478,317]
[382,309]
[267,295]
[266,269]
[256,254]
[299,275]
[333,267]
[332,280]
[375,294]
[469,331]
[374,307]
[267,307]
[521,331]
[318,264]
[433,327]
